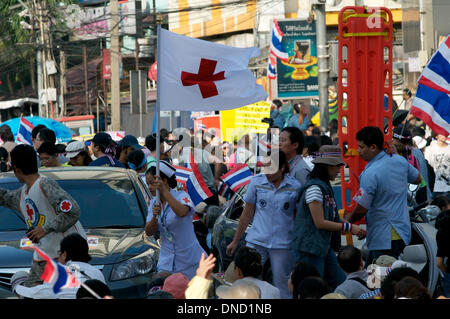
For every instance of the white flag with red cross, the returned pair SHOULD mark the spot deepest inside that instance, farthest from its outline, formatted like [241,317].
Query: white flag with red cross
[198,75]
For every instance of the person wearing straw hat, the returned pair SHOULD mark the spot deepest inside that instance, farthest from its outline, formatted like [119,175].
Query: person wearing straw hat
[172,217]
[317,221]
[381,197]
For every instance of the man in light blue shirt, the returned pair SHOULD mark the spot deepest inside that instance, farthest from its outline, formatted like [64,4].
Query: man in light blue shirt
[381,198]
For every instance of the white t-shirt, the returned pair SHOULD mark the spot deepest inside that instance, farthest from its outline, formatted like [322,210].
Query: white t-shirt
[439,158]
[268,291]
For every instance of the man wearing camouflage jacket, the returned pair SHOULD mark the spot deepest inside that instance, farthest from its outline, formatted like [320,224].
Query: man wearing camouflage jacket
[50,213]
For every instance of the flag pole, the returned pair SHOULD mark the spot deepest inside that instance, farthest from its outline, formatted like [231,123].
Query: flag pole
[257,152]
[157,106]
[92,292]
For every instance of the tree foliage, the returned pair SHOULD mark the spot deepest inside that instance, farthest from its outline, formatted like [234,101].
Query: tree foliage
[18,42]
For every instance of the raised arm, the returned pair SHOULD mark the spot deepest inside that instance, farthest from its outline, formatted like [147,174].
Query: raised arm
[10,198]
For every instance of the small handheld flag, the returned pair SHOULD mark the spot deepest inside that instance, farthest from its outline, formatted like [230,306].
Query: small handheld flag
[24,131]
[237,177]
[56,274]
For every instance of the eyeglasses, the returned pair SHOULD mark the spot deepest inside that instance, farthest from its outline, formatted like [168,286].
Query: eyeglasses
[46,159]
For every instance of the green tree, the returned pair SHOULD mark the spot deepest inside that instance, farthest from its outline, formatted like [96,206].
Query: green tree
[18,40]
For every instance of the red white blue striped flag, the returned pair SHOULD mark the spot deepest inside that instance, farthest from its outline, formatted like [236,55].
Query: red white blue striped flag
[24,131]
[237,177]
[193,182]
[436,73]
[224,190]
[276,47]
[271,67]
[182,174]
[56,274]
[432,101]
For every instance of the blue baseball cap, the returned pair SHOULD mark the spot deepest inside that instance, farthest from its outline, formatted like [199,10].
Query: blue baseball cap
[130,141]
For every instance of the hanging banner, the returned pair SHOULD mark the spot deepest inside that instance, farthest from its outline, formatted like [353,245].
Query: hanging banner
[244,120]
[297,77]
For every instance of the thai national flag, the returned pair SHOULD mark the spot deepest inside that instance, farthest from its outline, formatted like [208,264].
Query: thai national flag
[224,190]
[195,185]
[432,107]
[56,274]
[182,175]
[436,73]
[432,101]
[201,126]
[24,131]
[276,47]
[237,177]
[271,72]
[271,67]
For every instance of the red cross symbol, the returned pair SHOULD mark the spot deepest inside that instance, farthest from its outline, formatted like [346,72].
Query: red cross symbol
[186,200]
[65,206]
[30,212]
[204,79]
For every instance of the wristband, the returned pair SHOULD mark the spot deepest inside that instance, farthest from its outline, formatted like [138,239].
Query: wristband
[346,227]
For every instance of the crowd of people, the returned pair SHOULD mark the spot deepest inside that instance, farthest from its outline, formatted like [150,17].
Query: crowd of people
[292,209]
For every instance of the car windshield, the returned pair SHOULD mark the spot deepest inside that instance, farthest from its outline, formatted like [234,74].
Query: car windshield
[104,203]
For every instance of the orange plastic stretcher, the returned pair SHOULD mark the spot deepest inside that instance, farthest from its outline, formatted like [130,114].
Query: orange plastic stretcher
[365,81]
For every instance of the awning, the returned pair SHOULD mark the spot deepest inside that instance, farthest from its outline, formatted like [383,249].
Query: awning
[17,103]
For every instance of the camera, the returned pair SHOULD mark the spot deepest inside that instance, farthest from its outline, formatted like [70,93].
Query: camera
[267,120]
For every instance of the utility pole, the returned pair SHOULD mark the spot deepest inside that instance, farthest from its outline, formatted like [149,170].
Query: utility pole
[32,60]
[136,44]
[86,84]
[62,83]
[322,64]
[43,56]
[115,66]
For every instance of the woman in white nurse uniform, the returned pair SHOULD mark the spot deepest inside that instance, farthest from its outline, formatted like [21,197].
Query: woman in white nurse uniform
[180,249]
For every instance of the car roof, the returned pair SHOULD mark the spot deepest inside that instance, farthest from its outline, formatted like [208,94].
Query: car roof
[77,173]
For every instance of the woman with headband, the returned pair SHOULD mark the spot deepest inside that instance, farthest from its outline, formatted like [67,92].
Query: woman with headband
[172,217]
[137,161]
